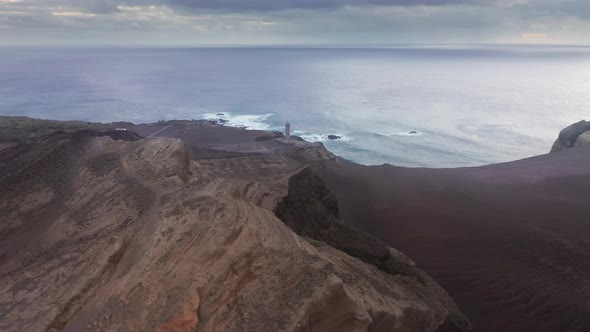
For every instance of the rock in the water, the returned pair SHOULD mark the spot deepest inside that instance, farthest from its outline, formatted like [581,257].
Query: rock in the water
[569,136]
[333,137]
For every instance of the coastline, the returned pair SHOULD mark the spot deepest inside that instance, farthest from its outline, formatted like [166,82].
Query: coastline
[504,233]
[212,133]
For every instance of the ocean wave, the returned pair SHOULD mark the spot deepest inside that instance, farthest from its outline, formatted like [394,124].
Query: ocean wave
[260,122]
[410,133]
[246,121]
[404,133]
[325,138]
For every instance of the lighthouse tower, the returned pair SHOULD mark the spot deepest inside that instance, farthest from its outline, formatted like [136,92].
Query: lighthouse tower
[288,131]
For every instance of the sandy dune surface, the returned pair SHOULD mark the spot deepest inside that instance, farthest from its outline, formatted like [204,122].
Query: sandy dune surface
[510,242]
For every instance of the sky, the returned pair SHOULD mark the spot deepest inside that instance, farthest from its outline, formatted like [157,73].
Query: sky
[292,22]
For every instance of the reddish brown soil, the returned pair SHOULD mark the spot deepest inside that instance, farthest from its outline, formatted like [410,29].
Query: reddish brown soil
[109,232]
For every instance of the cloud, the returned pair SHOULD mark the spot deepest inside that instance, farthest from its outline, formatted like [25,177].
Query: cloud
[531,37]
[73,14]
[274,5]
[99,6]
[294,21]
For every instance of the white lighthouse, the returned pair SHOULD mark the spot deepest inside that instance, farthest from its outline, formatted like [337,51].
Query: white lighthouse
[288,131]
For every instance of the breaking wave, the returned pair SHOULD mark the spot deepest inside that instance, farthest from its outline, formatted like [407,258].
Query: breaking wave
[246,121]
[324,137]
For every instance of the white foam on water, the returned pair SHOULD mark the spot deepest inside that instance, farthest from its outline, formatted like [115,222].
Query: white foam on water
[246,121]
[324,138]
[407,133]
[259,122]
[403,133]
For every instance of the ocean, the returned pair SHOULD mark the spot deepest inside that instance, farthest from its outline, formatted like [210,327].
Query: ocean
[418,106]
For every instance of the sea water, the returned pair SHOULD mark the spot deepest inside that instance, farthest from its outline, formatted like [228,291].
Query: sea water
[418,106]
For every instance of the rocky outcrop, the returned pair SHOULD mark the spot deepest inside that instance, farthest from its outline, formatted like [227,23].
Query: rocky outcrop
[311,211]
[574,135]
[105,232]
[583,139]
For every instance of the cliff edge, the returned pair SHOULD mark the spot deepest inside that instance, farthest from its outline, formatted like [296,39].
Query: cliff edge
[110,231]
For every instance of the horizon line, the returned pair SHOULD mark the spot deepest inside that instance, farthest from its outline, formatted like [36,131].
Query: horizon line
[299,45]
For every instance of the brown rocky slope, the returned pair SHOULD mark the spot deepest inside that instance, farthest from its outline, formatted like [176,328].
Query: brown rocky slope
[113,232]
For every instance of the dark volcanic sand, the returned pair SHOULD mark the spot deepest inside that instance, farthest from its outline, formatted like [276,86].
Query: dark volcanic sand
[5,145]
[199,133]
[510,242]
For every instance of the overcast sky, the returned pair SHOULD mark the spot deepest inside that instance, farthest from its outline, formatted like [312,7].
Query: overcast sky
[255,22]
